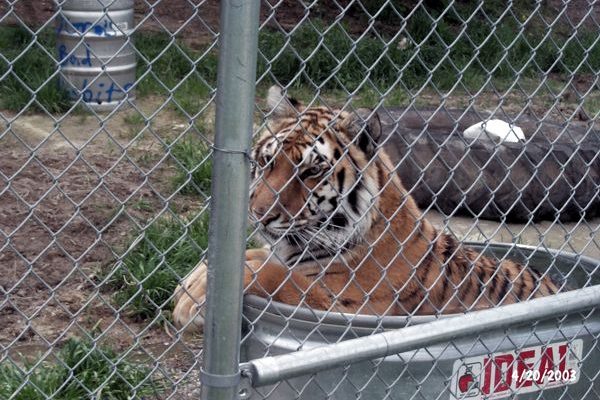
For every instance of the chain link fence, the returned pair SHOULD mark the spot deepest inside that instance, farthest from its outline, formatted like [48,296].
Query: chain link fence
[105,187]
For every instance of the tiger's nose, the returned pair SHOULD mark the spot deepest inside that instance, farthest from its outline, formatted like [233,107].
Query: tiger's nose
[260,211]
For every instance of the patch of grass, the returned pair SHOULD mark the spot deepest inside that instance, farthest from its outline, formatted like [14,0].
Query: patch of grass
[449,43]
[135,119]
[591,105]
[166,251]
[443,50]
[142,205]
[194,176]
[581,55]
[135,122]
[79,370]
[26,68]
[167,66]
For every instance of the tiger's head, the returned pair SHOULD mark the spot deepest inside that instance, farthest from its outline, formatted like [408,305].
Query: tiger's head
[315,184]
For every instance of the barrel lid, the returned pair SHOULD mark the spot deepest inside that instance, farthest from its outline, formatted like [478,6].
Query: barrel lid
[95,5]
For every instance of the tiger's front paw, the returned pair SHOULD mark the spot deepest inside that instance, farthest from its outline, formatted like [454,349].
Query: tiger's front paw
[190,298]
[190,295]
[258,254]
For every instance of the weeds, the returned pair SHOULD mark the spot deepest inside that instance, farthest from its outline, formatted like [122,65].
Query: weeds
[164,253]
[135,119]
[167,250]
[28,71]
[194,174]
[135,122]
[166,66]
[442,52]
[142,205]
[79,370]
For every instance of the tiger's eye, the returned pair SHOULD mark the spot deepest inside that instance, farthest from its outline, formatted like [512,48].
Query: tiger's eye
[314,170]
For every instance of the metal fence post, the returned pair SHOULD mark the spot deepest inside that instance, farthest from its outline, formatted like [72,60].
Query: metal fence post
[230,182]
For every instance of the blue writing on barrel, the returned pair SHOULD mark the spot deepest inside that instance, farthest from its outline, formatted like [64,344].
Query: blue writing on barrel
[105,94]
[66,59]
[102,28]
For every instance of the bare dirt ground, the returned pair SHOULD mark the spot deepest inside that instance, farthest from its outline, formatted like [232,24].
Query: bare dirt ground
[67,211]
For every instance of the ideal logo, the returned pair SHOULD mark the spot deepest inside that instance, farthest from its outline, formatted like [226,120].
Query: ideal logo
[524,370]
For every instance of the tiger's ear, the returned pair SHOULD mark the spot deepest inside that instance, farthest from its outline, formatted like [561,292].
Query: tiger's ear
[280,105]
[365,123]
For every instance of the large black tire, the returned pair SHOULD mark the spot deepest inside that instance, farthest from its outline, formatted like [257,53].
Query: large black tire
[554,175]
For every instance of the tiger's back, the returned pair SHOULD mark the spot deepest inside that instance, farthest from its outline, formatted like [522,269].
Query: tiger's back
[469,280]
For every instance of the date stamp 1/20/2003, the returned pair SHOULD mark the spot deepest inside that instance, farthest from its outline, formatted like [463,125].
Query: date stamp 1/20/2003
[525,370]
[569,375]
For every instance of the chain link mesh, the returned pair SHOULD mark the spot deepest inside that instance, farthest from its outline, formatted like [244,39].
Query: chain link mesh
[104,213]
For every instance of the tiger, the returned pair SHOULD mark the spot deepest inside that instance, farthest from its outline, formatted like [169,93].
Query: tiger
[344,233]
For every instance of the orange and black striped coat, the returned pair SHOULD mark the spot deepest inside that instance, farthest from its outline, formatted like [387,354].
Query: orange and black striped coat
[346,235]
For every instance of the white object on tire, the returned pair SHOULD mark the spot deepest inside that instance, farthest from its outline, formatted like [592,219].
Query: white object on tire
[495,129]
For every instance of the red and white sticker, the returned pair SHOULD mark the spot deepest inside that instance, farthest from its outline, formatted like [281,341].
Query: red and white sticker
[524,370]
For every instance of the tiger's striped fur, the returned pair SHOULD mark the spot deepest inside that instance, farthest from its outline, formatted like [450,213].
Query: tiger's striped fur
[346,232]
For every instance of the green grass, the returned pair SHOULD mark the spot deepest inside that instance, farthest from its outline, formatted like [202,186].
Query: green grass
[142,205]
[135,119]
[167,251]
[167,66]
[443,51]
[135,122]
[79,371]
[194,174]
[31,71]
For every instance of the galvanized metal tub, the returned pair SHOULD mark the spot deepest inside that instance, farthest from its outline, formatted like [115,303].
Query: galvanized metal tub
[430,373]
[95,51]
